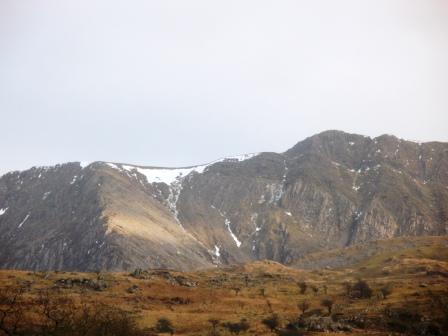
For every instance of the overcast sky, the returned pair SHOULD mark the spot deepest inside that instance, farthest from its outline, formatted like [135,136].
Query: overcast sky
[175,82]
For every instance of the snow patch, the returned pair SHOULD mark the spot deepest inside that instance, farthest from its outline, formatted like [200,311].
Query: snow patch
[171,175]
[173,198]
[335,163]
[217,252]
[84,164]
[24,220]
[288,213]
[227,224]
[113,165]
[235,238]
[164,175]
[2,211]
[74,179]
[253,219]
[238,158]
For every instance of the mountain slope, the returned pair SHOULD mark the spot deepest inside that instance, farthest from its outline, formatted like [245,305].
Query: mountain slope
[331,190]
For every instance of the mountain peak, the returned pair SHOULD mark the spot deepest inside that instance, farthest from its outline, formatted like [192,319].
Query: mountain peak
[330,190]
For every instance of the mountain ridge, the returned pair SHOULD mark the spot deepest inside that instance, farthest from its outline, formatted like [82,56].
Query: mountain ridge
[330,190]
[86,163]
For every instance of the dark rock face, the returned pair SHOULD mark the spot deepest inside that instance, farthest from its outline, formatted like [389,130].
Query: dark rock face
[331,190]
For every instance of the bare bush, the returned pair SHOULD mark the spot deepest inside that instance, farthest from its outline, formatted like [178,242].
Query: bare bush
[237,327]
[272,322]
[303,286]
[214,331]
[164,326]
[11,310]
[53,313]
[361,290]
[386,291]
[328,303]
[304,306]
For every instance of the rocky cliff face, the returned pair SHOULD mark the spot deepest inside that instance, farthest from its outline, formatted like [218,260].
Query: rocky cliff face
[331,190]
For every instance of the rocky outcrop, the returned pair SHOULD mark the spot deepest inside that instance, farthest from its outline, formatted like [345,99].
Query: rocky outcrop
[331,190]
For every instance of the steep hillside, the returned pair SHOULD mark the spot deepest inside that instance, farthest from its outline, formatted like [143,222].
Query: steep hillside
[329,191]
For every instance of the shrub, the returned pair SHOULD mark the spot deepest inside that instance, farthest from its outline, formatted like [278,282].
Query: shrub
[304,306]
[164,326]
[55,313]
[214,323]
[328,303]
[386,291]
[237,327]
[291,329]
[347,287]
[272,322]
[303,286]
[105,320]
[361,290]
[289,332]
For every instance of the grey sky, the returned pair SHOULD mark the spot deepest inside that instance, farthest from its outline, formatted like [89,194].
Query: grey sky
[175,82]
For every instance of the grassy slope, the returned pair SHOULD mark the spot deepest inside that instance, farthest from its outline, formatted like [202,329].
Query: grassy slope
[406,270]
[435,247]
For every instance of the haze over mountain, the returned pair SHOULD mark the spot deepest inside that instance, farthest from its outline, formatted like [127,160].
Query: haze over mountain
[331,190]
[181,83]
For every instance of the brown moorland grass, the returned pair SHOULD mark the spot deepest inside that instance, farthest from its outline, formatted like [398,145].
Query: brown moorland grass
[417,279]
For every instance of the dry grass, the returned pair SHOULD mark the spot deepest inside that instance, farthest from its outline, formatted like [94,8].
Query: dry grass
[257,290]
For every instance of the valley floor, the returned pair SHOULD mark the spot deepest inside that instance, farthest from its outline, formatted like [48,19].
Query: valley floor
[403,293]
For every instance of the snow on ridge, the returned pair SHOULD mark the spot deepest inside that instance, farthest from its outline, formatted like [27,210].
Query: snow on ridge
[84,164]
[164,175]
[2,211]
[239,158]
[171,175]
[40,170]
